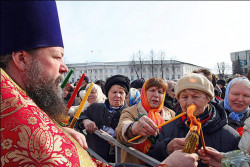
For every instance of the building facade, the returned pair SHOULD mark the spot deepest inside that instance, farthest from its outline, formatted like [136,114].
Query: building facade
[168,69]
[244,60]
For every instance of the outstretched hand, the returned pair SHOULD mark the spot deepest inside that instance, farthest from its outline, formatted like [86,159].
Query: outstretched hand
[181,159]
[145,127]
[175,144]
[89,125]
[212,157]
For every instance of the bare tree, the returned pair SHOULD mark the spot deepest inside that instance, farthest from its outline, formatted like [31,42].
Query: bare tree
[152,62]
[134,66]
[141,63]
[221,70]
[162,63]
[173,66]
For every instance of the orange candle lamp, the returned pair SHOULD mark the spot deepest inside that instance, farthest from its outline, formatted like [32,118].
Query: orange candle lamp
[165,123]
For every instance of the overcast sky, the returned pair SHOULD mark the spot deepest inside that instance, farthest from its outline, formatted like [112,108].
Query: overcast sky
[198,32]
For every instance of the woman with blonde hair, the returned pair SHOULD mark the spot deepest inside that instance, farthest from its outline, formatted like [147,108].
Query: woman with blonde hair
[95,96]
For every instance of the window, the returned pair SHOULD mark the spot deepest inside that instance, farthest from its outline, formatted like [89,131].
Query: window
[126,70]
[106,70]
[246,69]
[120,70]
[111,70]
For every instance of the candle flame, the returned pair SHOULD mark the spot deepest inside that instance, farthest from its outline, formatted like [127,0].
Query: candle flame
[195,125]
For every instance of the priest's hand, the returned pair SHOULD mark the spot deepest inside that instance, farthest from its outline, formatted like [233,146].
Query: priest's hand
[80,138]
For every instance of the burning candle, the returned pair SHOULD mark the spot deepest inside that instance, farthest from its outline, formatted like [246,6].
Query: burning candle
[165,123]
[79,110]
[72,98]
[67,78]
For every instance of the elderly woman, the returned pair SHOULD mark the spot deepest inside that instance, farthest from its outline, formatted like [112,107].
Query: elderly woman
[236,102]
[198,90]
[133,97]
[143,119]
[95,96]
[105,116]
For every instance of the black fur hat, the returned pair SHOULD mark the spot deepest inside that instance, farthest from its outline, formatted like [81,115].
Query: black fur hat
[121,80]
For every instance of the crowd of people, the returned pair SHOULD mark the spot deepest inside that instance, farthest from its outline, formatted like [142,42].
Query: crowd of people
[33,104]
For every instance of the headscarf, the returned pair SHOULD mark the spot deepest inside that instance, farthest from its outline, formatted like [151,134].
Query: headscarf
[134,96]
[233,115]
[153,114]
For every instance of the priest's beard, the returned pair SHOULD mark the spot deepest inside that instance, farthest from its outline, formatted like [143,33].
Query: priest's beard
[44,91]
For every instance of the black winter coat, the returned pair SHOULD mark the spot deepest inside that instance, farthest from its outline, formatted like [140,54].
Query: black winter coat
[217,134]
[98,113]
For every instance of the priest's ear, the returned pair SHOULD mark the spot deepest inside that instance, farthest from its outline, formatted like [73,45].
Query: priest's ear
[21,59]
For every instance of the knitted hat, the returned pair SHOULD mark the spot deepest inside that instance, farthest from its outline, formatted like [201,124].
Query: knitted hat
[28,25]
[194,81]
[117,80]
